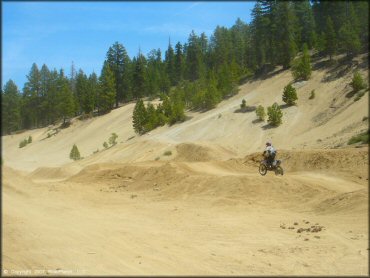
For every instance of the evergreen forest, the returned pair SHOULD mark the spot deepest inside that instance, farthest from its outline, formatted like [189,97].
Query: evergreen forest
[196,74]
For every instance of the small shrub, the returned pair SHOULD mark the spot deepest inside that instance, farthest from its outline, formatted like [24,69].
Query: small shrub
[365,118]
[275,115]
[29,139]
[75,153]
[244,104]
[357,82]
[312,96]
[157,158]
[49,135]
[260,112]
[97,150]
[23,143]
[363,138]
[167,153]
[105,145]
[290,95]
[112,139]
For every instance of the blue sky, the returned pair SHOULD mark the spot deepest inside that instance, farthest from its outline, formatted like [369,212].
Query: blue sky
[57,33]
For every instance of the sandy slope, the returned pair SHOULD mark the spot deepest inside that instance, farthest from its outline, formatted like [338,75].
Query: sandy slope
[204,209]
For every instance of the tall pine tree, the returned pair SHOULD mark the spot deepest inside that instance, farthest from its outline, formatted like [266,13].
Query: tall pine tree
[119,63]
[10,108]
[107,90]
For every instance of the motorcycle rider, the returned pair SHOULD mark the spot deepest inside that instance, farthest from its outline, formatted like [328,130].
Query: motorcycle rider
[269,153]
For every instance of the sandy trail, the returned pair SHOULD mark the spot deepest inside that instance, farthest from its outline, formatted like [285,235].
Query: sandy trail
[151,218]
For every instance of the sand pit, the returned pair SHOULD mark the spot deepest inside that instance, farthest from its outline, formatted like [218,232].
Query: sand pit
[188,199]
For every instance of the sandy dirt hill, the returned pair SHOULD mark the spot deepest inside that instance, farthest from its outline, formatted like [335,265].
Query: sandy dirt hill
[188,199]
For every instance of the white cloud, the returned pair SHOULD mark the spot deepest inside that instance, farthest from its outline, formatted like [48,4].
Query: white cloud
[187,8]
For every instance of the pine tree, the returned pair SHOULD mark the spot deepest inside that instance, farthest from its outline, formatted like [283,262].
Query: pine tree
[260,112]
[301,68]
[274,114]
[72,84]
[259,37]
[226,84]
[152,117]
[44,90]
[31,98]
[112,139]
[330,39]
[170,63]
[306,23]
[193,57]
[286,22]
[107,90]
[139,117]
[75,153]
[239,35]
[82,92]
[139,77]
[153,73]
[119,61]
[290,95]
[349,39]
[52,113]
[361,9]
[221,48]
[212,94]
[357,82]
[90,99]
[66,104]
[167,108]
[10,108]
[179,63]
[177,108]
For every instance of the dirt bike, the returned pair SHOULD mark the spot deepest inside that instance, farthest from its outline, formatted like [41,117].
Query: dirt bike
[265,166]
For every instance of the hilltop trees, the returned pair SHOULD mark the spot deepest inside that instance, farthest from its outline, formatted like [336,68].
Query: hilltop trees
[119,63]
[139,76]
[107,90]
[286,31]
[203,70]
[330,39]
[139,117]
[147,118]
[66,105]
[179,63]
[301,68]
[31,98]
[10,108]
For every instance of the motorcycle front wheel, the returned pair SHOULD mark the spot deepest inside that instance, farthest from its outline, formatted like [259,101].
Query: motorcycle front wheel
[279,170]
[263,169]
